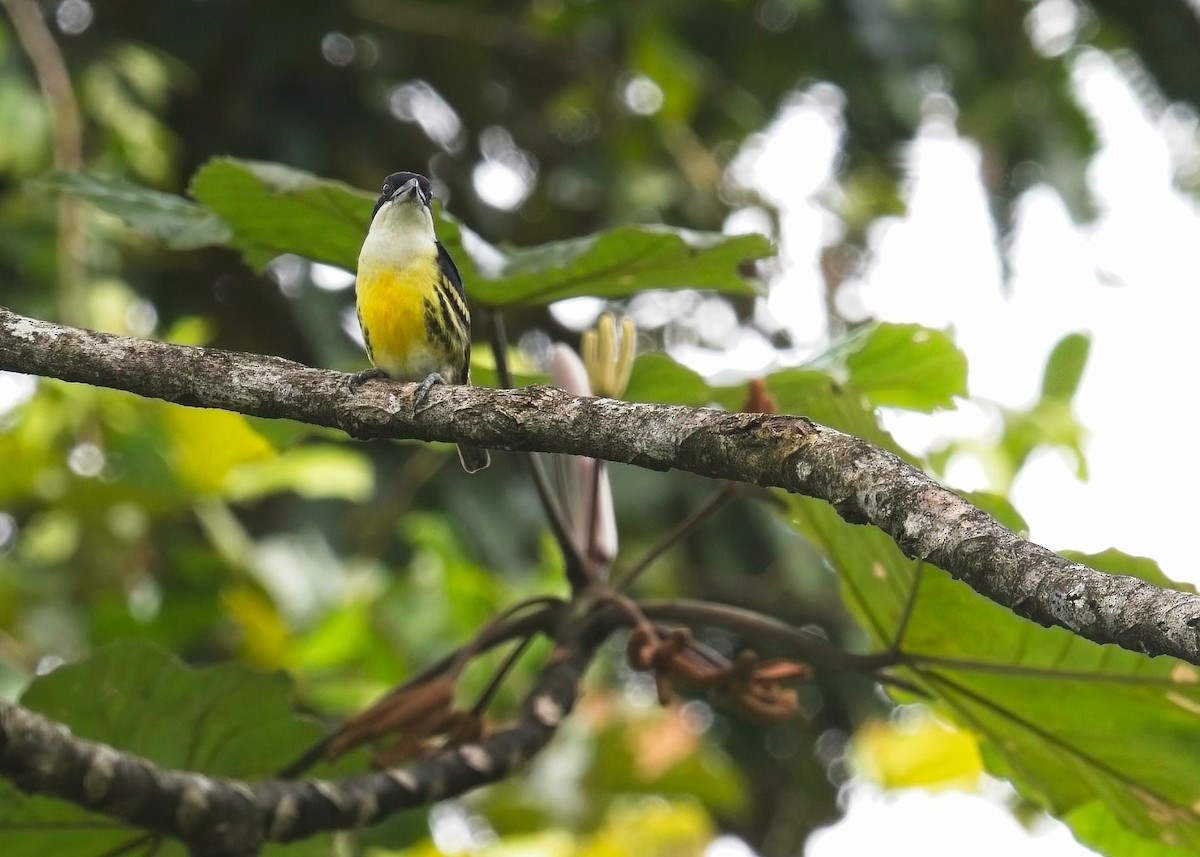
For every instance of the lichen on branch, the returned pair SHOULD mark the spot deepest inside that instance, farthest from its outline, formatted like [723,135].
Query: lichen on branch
[865,484]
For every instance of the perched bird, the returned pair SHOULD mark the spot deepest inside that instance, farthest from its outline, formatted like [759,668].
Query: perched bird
[411,304]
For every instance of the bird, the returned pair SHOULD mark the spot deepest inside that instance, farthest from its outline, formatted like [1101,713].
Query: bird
[412,308]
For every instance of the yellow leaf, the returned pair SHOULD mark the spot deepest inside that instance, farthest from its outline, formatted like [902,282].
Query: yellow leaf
[310,471]
[265,638]
[207,445]
[646,827]
[917,752]
[550,843]
[652,827]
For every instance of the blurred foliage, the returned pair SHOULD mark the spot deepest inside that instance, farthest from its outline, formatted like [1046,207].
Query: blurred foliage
[178,223]
[239,723]
[565,134]
[650,828]
[1049,423]
[926,754]
[267,210]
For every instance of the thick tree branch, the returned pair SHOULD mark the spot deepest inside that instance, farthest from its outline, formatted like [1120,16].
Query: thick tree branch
[865,484]
[219,817]
[230,817]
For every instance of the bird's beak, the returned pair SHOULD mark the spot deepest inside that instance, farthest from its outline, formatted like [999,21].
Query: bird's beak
[408,190]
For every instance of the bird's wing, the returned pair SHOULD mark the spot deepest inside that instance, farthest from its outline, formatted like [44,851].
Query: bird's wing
[449,273]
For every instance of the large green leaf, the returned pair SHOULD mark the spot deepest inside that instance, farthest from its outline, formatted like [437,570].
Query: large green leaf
[265,210]
[1090,732]
[908,366]
[622,262]
[273,209]
[899,365]
[223,721]
[177,222]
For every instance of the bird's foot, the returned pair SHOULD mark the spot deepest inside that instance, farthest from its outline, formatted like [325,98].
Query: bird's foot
[360,378]
[419,400]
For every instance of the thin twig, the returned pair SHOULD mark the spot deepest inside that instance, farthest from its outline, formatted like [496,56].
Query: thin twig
[574,559]
[799,643]
[488,638]
[67,129]
[700,648]
[489,692]
[598,475]
[483,640]
[910,605]
[802,644]
[718,499]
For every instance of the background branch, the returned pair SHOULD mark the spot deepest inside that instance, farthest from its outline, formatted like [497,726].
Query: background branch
[219,817]
[797,643]
[494,634]
[67,128]
[230,817]
[865,484]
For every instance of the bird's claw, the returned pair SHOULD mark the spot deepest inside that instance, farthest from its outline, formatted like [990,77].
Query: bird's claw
[422,394]
[360,378]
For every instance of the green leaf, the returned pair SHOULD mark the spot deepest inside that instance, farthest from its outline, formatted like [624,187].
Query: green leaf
[325,471]
[273,209]
[25,118]
[1117,562]
[1064,367]
[1096,827]
[658,378]
[265,210]
[222,721]
[1075,725]
[816,395]
[1049,423]
[908,366]
[483,372]
[180,224]
[622,262]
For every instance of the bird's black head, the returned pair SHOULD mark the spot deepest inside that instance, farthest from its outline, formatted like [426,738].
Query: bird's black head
[404,186]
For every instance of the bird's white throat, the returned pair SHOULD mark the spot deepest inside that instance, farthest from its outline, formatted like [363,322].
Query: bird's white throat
[401,233]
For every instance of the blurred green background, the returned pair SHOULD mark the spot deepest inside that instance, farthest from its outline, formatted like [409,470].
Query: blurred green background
[222,539]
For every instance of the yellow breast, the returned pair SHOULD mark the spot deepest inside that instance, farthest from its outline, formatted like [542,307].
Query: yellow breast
[391,311]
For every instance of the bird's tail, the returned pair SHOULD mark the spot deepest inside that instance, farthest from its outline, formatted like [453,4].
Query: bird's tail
[473,458]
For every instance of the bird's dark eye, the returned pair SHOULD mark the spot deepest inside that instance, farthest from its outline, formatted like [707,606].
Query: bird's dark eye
[387,190]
